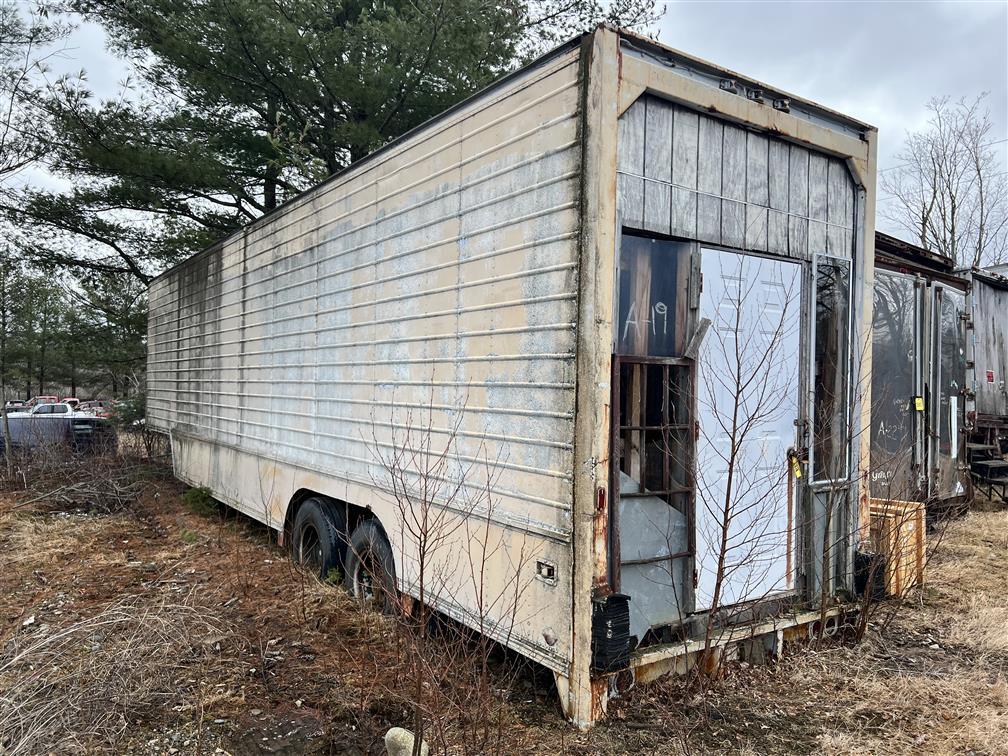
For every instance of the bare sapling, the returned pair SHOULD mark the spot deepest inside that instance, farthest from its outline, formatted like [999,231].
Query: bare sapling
[442,479]
[746,405]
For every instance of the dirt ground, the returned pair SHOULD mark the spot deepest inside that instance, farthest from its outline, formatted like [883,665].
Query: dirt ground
[151,625]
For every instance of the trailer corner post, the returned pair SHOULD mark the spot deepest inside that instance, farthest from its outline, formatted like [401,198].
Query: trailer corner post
[866,172]
[584,699]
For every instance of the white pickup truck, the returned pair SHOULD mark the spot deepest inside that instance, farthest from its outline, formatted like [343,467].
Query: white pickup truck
[56,423]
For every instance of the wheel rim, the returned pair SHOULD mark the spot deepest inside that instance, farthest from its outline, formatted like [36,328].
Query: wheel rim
[310,549]
[367,584]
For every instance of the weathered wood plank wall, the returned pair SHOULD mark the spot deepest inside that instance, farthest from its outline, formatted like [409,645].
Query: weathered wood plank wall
[690,175]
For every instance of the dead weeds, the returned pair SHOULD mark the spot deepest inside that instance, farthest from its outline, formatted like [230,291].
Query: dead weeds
[43,540]
[86,685]
[302,669]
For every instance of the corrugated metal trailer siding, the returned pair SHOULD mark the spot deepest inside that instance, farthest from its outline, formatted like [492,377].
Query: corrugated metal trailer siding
[440,273]
[990,346]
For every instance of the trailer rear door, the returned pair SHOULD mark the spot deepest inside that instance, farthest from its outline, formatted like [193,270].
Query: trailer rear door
[747,405]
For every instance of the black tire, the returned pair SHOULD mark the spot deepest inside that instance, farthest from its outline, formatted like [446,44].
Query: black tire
[318,538]
[370,568]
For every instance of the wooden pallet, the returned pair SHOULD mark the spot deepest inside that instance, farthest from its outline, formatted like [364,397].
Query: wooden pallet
[898,534]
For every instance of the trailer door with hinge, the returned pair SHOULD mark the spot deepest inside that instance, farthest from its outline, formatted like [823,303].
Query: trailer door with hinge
[747,405]
[948,366]
[896,387]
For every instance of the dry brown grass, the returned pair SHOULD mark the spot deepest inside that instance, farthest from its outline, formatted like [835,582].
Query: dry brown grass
[968,582]
[934,681]
[84,685]
[43,540]
[979,538]
[881,711]
[982,623]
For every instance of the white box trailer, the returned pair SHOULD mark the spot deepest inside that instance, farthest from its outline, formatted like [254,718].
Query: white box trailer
[541,273]
[986,360]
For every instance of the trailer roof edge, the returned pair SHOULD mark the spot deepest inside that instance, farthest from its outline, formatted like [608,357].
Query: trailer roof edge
[671,56]
[987,275]
[675,56]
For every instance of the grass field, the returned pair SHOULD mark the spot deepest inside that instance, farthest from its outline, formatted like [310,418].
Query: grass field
[139,624]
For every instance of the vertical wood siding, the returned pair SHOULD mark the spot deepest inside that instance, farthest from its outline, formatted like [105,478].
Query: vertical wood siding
[693,176]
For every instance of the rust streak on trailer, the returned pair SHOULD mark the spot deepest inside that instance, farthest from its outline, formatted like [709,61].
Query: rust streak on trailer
[600,543]
[599,697]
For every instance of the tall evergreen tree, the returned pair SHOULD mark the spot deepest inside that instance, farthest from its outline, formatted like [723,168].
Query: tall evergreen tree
[26,37]
[236,105]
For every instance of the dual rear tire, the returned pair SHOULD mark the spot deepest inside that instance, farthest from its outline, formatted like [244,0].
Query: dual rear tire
[318,538]
[319,544]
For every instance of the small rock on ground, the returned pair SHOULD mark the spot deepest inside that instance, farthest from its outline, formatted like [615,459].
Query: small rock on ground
[399,742]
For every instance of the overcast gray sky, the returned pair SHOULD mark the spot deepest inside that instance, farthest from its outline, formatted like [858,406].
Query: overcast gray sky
[877,61]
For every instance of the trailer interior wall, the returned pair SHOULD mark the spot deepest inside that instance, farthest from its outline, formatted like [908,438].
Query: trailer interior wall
[722,182]
[434,285]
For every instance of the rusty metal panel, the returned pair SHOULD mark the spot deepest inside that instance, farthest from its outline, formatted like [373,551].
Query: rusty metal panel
[990,328]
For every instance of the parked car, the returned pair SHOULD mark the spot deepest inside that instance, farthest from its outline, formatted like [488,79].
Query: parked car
[13,405]
[43,409]
[96,407]
[41,400]
[72,401]
[52,408]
